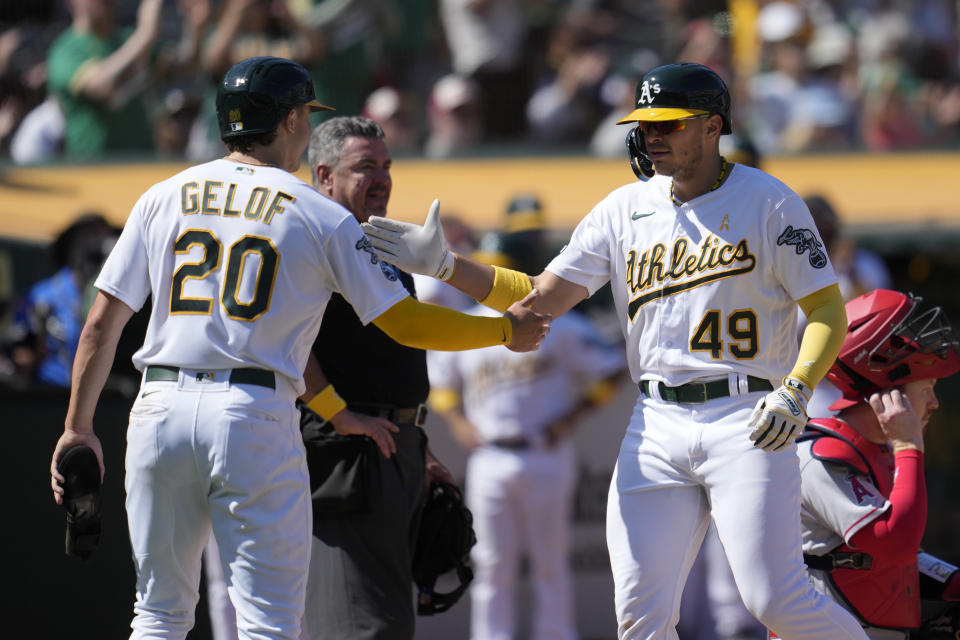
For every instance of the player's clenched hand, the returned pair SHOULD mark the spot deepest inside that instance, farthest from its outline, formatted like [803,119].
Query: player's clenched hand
[348,423]
[529,327]
[411,247]
[67,441]
[780,416]
[898,419]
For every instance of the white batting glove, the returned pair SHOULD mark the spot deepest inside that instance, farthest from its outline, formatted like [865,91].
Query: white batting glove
[413,248]
[780,416]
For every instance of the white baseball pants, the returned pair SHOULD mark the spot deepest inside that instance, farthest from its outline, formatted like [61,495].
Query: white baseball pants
[680,463]
[204,454]
[521,503]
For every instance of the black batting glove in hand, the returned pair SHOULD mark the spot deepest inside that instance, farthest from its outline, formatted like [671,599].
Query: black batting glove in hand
[410,247]
[780,416]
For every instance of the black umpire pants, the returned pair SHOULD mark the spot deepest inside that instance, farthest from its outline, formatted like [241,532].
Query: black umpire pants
[360,585]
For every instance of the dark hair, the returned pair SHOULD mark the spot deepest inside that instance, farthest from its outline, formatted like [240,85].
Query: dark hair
[245,144]
[66,239]
[825,217]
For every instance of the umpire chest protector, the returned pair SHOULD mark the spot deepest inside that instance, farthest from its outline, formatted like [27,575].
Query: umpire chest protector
[887,593]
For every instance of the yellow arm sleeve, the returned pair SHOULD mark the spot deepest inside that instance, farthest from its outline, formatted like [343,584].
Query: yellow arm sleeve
[443,400]
[508,287]
[428,326]
[823,336]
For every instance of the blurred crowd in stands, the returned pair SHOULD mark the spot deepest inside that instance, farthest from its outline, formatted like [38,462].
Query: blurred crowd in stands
[84,79]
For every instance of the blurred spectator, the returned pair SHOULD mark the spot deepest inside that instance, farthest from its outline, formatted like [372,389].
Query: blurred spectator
[486,42]
[565,109]
[40,135]
[738,147]
[784,30]
[824,115]
[892,111]
[859,270]
[98,72]
[391,109]
[174,115]
[23,75]
[249,28]
[245,29]
[354,34]
[514,413]
[47,322]
[453,117]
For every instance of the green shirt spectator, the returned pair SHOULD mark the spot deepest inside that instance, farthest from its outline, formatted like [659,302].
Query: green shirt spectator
[94,127]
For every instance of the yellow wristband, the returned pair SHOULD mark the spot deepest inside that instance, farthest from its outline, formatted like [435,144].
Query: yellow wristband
[327,403]
[508,287]
[600,392]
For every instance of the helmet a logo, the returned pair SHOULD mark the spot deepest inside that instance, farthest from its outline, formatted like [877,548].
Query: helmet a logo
[646,92]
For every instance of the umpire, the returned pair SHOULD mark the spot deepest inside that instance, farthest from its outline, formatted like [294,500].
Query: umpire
[367,491]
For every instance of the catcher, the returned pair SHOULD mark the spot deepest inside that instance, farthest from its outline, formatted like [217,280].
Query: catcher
[864,501]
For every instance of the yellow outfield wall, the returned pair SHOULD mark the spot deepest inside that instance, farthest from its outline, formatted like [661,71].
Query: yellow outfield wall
[919,190]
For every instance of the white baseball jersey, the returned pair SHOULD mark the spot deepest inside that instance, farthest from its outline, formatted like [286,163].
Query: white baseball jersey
[508,394]
[219,250]
[706,288]
[837,503]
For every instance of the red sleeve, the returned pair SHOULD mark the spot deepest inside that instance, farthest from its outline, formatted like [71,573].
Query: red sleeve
[899,530]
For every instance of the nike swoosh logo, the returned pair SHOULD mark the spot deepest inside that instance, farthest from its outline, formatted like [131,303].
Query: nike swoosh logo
[637,216]
[147,393]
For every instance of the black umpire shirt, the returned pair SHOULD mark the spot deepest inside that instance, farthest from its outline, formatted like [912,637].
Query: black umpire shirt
[364,364]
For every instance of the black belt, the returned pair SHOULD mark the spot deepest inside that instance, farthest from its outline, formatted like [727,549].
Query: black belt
[516,443]
[700,392]
[414,415]
[259,377]
[839,560]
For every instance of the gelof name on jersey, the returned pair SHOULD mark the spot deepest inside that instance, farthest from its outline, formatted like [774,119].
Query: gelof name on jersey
[216,199]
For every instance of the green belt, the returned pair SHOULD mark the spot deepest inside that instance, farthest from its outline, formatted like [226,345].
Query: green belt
[259,377]
[700,392]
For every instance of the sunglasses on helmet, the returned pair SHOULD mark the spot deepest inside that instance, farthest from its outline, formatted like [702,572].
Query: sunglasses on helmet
[666,127]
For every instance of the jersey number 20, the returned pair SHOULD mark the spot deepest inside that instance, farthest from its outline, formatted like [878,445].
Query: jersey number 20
[229,297]
[741,328]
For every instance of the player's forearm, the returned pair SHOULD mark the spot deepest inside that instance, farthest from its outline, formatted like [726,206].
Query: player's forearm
[428,326]
[899,531]
[473,278]
[94,359]
[823,336]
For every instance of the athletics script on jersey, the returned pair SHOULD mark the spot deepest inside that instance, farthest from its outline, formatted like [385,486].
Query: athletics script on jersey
[687,267]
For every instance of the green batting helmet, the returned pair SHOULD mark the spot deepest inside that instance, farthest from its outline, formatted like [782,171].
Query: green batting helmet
[257,93]
[681,90]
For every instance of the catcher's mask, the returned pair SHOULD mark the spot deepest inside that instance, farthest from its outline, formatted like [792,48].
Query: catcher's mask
[891,341]
[674,92]
[443,545]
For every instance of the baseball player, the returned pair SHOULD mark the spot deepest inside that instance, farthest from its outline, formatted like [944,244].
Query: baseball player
[240,258]
[707,261]
[864,500]
[514,415]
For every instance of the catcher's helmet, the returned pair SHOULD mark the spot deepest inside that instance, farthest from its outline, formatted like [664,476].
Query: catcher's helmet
[891,341]
[674,92]
[257,93]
